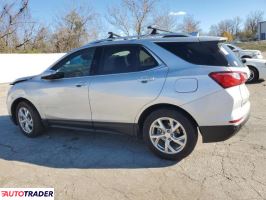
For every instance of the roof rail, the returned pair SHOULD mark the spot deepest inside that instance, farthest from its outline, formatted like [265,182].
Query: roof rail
[154,34]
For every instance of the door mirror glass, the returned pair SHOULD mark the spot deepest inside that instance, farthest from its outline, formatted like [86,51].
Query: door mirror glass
[52,75]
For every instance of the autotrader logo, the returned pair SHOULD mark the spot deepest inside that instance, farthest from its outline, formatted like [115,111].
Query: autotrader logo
[27,193]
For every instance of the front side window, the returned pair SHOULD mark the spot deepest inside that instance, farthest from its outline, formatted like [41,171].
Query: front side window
[125,58]
[77,64]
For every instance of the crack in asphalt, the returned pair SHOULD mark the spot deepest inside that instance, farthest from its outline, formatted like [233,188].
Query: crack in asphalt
[9,147]
[226,170]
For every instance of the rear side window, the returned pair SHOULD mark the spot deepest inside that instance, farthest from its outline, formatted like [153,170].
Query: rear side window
[200,53]
[125,58]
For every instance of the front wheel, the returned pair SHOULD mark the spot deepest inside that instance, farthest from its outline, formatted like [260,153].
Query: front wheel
[29,120]
[170,134]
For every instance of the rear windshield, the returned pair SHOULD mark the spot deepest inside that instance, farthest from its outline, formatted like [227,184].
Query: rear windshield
[203,53]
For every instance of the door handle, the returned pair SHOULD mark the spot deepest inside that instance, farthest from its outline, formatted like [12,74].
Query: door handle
[80,84]
[146,79]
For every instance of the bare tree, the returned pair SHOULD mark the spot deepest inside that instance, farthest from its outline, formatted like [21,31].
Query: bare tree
[165,21]
[132,16]
[252,21]
[226,26]
[74,29]
[237,25]
[41,41]
[117,19]
[231,26]
[189,24]
[214,30]
[13,17]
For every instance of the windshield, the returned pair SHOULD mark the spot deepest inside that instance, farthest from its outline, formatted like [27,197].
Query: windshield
[231,58]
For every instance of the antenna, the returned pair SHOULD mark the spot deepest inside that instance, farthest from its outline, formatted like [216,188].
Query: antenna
[155,30]
[111,35]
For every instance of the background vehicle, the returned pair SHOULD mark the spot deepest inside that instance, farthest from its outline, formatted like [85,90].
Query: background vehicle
[257,69]
[245,53]
[160,87]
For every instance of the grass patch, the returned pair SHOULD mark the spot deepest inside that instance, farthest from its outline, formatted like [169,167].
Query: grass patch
[258,45]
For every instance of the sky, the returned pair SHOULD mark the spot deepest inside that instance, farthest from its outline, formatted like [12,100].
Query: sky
[208,12]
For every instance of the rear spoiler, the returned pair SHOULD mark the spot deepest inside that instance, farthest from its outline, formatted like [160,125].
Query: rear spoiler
[212,38]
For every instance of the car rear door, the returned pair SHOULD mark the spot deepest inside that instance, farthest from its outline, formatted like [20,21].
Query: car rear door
[127,78]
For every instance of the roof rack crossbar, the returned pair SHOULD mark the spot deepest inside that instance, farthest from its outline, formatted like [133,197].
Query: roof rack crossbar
[155,30]
[114,37]
[111,35]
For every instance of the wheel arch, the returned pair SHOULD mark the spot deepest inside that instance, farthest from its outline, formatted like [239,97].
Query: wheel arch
[14,107]
[246,56]
[252,66]
[152,108]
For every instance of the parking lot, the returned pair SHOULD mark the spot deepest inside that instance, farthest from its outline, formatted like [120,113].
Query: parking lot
[87,165]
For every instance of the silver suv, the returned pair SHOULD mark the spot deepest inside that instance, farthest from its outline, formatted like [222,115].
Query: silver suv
[166,88]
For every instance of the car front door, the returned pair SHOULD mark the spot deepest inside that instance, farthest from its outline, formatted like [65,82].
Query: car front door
[67,99]
[127,78]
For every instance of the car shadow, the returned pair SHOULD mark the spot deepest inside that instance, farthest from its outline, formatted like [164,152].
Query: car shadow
[76,149]
[257,82]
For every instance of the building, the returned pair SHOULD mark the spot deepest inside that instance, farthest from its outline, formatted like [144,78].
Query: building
[262,30]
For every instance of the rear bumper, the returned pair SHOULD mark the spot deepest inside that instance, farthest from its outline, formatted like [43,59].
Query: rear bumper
[220,133]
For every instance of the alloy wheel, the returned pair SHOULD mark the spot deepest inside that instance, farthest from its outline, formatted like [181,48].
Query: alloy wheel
[25,120]
[168,135]
[252,75]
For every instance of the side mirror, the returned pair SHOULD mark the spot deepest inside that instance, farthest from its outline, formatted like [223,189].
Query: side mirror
[243,60]
[236,50]
[52,75]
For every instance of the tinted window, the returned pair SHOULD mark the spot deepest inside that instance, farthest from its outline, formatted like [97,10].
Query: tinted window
[77,64]
[201,53]
[230,56]
[125,58]
[146,60]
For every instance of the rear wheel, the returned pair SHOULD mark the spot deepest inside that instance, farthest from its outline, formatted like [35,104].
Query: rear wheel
[169,134]
[243,57]
[254,75]
[29,120]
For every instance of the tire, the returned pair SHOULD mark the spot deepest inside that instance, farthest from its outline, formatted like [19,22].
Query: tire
[254,75]
[33,129]
[187,134]
[243,57]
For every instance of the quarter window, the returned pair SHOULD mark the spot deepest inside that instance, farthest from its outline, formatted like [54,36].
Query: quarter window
[203,53]
[199,53]
[146,61]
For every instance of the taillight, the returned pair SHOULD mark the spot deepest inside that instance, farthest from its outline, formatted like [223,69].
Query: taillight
[229,79]
[236,120]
